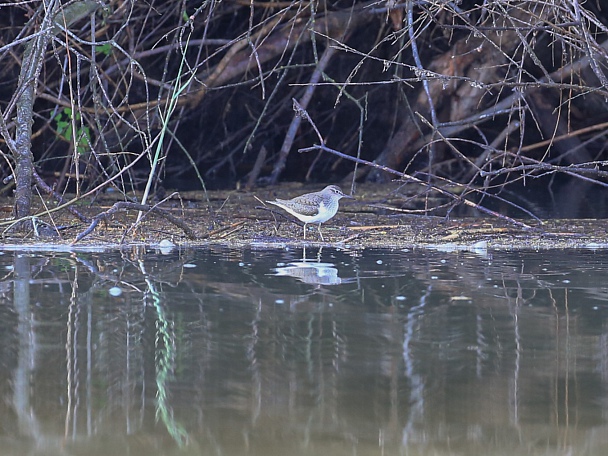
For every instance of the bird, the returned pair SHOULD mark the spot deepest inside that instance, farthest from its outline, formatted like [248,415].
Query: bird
[316,207]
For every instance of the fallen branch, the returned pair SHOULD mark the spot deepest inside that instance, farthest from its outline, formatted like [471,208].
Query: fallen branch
[373,227]
[126,205]
[230,229]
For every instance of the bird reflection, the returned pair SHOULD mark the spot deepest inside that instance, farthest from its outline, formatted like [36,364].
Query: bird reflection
[313,273]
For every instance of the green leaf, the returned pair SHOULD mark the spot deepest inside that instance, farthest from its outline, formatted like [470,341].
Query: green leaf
[105,49]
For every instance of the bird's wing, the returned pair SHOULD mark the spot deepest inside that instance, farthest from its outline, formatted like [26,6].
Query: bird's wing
[310,199]
[308,204]
[303,206]
[307,209]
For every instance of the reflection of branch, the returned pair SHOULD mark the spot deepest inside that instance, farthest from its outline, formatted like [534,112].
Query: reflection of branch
[125,205]
[164,358]
[26,347]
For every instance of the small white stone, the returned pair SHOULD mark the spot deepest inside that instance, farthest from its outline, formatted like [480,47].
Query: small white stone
[115,291]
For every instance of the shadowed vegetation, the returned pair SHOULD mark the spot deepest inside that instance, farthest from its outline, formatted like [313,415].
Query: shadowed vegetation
[467,99]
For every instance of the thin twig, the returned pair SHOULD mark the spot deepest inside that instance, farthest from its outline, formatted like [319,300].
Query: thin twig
[440,190]
[42,185]
[300,109]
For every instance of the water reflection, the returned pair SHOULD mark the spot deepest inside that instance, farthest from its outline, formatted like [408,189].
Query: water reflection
[289,352]
[311,271]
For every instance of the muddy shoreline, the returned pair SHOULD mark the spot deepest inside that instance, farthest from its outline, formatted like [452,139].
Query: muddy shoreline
[239,219]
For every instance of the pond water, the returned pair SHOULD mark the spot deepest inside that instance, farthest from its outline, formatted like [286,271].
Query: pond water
[322,352]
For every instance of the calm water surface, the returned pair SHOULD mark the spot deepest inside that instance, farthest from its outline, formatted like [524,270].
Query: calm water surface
[263,352]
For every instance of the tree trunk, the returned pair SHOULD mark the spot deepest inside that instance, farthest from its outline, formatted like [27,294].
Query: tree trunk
[53,19]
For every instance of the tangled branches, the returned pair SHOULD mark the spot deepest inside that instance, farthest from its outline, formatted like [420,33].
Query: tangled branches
[479,94]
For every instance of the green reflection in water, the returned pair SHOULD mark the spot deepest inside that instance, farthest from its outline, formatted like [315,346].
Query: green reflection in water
[164,344]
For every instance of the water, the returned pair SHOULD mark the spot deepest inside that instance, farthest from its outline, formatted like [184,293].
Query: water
[258,352]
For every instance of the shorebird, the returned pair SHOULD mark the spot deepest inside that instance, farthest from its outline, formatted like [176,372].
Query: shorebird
[316,207]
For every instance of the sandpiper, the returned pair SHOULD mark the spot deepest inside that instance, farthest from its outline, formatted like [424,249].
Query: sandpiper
[317,207]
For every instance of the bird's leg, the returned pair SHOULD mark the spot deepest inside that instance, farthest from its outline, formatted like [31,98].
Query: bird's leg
[305,231]
[321,234]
